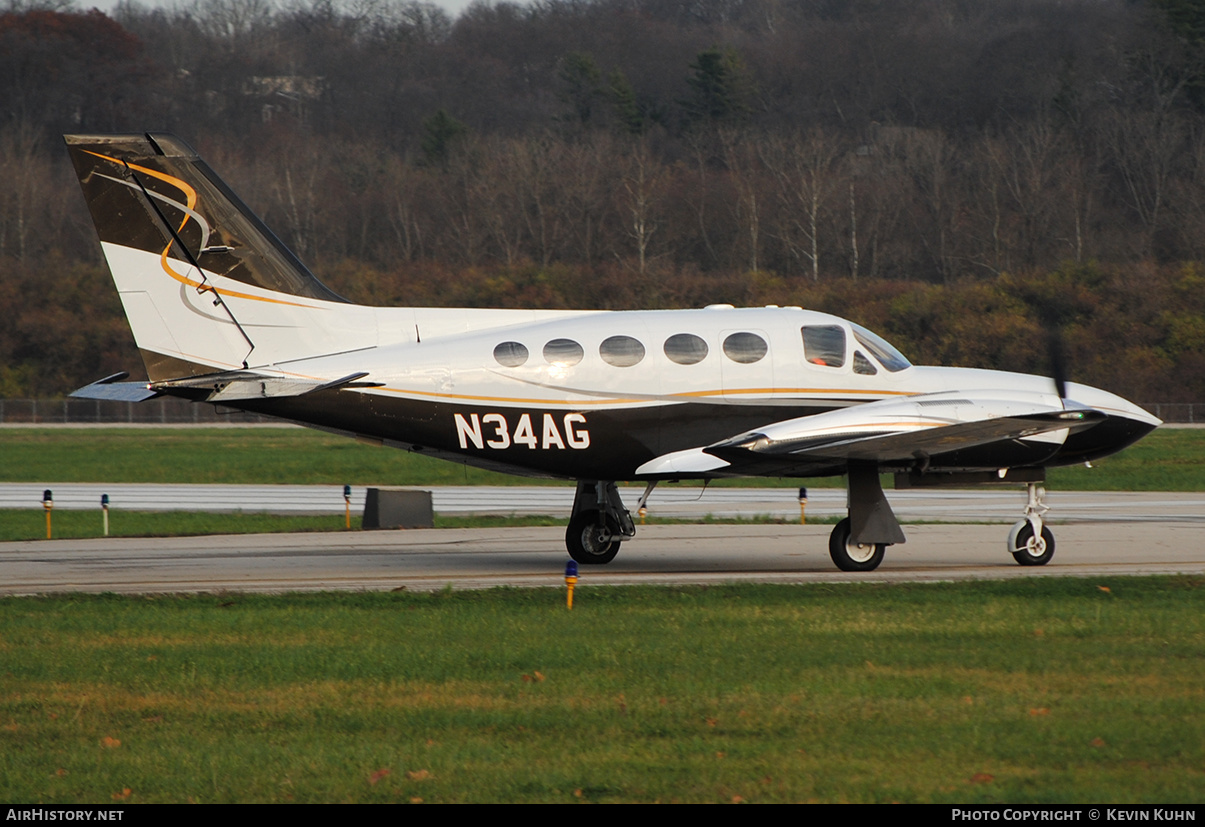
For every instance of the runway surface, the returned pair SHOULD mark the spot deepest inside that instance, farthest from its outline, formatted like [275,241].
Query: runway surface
[661,554]
[980,505]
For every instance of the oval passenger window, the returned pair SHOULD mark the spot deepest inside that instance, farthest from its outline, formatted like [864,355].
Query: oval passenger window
[621,351]
[510,354]
[563,352]
[685,349]
[745,348]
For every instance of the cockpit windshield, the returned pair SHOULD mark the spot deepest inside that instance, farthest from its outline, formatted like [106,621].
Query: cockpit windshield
[887,355]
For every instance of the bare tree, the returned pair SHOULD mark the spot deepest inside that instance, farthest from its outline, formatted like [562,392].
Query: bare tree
[402,182]
[642,180]
[930,159]
[297,192]
[741,158]
[586,182]
[1146,150]
[806,173]
[25,172]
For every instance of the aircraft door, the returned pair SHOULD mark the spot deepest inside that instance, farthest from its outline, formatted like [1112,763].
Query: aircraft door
[746,364]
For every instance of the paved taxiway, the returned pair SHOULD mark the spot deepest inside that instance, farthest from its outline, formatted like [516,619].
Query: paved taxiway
[479,558]
[690,502]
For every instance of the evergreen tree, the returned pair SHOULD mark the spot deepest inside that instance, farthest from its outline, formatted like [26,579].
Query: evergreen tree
[628,111]
[720,87]
[581,86]
[439,131]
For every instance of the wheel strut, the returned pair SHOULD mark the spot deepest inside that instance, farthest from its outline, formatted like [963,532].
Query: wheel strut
[1031,542]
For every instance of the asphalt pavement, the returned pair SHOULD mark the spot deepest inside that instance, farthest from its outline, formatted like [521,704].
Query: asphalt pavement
[978,505]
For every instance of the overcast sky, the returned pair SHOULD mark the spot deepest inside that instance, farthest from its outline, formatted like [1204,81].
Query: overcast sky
[452,7]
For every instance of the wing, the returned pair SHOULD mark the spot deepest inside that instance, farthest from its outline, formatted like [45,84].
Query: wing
[899,432]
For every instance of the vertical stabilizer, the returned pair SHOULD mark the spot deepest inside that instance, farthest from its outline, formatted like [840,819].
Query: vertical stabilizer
[205,285]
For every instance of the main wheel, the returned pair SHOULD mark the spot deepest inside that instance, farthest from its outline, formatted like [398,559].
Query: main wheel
[589,543]
[850,556]
[1031,550]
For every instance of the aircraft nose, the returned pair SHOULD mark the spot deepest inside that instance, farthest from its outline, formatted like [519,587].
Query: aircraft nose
[1125,424]
[1110,404]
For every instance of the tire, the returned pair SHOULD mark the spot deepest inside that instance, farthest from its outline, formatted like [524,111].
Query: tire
[853,556]
[1031,552]
[588,543]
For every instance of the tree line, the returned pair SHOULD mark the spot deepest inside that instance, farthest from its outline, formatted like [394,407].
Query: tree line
[935,166]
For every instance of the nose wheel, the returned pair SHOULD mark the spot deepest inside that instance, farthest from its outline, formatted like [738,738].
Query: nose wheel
[1031,542]
[1029,548]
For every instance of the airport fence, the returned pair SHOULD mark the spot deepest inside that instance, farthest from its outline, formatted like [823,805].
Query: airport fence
[1178,412]
[163,411]
[171,411]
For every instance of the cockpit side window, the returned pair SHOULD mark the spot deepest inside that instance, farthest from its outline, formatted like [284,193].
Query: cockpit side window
[824,345]
[881,349]
[863,365]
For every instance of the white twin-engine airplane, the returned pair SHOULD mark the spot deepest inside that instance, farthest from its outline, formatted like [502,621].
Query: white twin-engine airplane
[222,312]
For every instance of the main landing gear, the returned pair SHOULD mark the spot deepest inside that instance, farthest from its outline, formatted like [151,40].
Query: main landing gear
[599,523]
[859,542]
[850,555]
[1031,542]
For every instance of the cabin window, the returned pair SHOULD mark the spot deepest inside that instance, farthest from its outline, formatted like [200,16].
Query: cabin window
[685,349]
[824,345]
[510,354]
[863,365]
[745,348]
[563,352]
[881,349]
[621,351]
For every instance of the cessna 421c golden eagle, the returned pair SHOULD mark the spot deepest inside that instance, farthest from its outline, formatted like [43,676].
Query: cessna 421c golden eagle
[222,312]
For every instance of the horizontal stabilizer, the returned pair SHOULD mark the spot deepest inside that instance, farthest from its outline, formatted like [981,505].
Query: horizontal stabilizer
[240,385]
[113,389]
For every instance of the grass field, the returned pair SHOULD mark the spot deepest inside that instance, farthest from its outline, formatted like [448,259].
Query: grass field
[1045,690]
[1167,460]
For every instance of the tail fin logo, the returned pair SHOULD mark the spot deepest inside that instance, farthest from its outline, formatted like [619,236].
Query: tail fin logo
[188,208]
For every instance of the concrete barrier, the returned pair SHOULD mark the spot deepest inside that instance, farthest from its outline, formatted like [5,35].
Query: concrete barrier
[398,508]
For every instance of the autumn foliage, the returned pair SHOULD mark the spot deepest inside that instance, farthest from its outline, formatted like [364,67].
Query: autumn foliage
[954,175]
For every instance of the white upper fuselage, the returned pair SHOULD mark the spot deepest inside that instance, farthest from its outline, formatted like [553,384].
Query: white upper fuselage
[529,389]
[448,353]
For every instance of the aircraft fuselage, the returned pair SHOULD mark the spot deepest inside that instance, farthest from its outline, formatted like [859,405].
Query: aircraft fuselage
[561,405]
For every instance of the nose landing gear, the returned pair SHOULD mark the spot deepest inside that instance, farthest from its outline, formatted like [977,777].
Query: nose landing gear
[1031,542]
